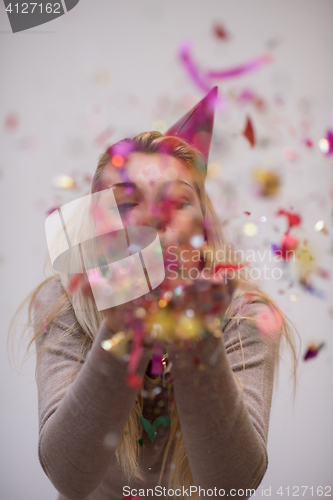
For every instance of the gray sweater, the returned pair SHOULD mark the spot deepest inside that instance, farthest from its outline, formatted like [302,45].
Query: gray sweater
[224,428]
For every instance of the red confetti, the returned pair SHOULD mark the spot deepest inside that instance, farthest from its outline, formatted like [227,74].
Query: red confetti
[247,213]
[289,243]
[293,219]
[103,136]
[134,381]
[220,32]
[11,122]
[74,282]
[248,132]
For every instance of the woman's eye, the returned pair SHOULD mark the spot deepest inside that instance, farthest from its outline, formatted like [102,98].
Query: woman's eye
[125,207]
[183,204]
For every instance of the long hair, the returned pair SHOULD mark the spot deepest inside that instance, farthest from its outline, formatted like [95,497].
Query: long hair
[89,318]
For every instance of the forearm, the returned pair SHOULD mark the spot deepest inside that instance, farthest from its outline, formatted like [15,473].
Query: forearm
[223,447]
[72,446]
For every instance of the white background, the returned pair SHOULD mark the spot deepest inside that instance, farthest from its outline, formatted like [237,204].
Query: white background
[109,63]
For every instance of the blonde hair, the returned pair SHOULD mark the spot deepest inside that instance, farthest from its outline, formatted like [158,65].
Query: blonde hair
[89,318]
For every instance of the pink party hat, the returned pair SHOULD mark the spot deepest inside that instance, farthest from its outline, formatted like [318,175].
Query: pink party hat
[196,127]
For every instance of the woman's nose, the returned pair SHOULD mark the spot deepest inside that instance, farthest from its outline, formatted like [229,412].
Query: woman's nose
[156,218]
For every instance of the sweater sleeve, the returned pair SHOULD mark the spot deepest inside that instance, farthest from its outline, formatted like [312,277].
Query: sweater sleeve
[225,427]
[76,413]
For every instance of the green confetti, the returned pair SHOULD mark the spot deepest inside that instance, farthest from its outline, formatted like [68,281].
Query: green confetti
[151,429]
[140,442]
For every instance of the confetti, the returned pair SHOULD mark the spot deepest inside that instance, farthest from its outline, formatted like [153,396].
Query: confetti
[313,350]
[103,137]
[268,182]
[320,227]
[74,282]
[326,144]
[250,229]
[63,182]
[11,122]
[248,132]
[156,365]
[151,429]
[220,32]
[134,381]
[240,70]
[292,218]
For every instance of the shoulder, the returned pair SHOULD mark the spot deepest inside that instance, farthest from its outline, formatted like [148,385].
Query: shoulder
[50,290]
[254,315]
[52,302]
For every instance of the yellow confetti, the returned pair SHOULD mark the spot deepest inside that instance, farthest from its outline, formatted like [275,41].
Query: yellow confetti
[63,181]
[250,229]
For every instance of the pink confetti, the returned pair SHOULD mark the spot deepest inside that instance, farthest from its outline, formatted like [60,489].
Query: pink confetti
[269,324]
[191,67]
[11,122]
[240,70]
[329,138]
[156,366]
[103,136]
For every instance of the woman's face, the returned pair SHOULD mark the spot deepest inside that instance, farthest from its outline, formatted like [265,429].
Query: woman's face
[159,191]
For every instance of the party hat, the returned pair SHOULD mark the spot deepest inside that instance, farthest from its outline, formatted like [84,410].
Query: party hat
[196,126]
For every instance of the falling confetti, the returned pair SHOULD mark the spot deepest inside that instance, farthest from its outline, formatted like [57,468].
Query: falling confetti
[326,144]
[63,182]
[292,218]
[103,137]
[248,132]
[151,429]
[220,32]
[11,122]
[313,350]
[240,70]
[268,182]
[250,229]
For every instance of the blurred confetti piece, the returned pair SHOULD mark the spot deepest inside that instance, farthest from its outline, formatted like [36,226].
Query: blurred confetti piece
[102,77]
[220,32]
[117,160]
[250,229]
[247,213]
[313,350]
[63,182]
[74,282]
[293,219]
[268,182]
[326,144]
[269,323]
[156,365]
[103,137]
[248,132]
[289,154]
[151,429]
[191,67]
[11,122]
[241,69]
[320,227]
[134,381]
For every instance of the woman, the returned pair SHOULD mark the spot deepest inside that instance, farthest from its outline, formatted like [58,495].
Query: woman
[96,414]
